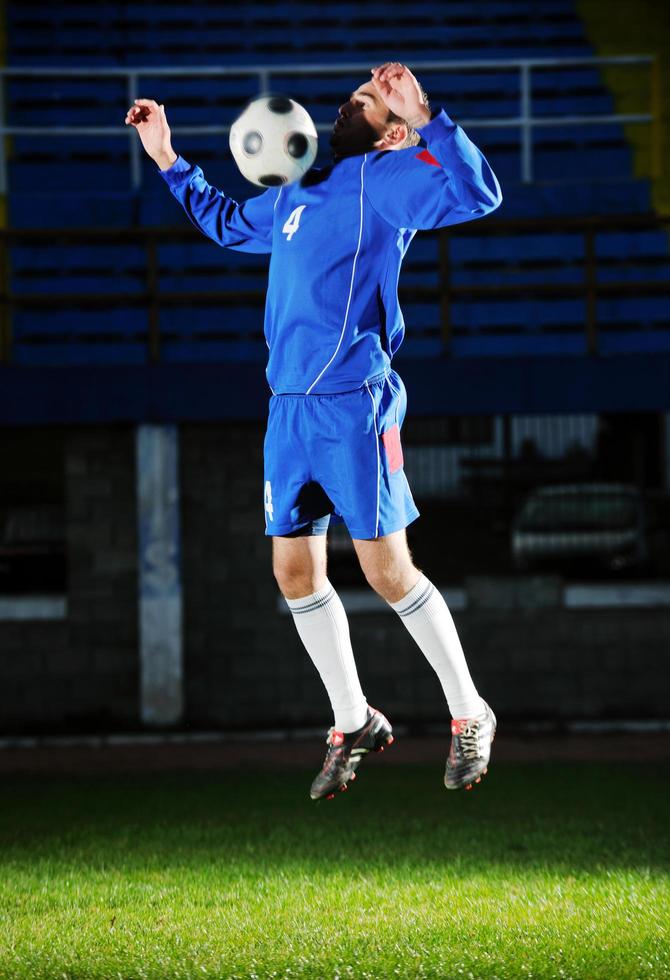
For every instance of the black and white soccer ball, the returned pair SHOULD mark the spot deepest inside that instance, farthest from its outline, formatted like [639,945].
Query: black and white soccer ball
[274,141]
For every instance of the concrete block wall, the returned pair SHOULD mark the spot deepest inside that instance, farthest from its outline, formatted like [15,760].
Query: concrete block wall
[102,587]
[34,672]
[533,665]
[232,634]
[243,662]
[81,673]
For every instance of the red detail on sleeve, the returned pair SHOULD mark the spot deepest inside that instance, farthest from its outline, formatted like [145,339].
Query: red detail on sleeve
[391,440]
[428,158]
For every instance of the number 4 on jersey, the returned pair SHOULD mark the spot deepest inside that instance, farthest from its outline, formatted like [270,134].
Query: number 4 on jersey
[293,222]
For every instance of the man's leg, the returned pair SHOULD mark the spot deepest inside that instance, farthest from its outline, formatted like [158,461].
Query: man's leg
[299,565]
[300,569]
[388,567]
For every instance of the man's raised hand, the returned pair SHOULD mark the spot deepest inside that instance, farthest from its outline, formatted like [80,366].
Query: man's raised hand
[148,118]
[401,92]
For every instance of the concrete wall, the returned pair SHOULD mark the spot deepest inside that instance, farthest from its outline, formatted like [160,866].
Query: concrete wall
[550,663]
[81,673]
[231,632]
[243,662]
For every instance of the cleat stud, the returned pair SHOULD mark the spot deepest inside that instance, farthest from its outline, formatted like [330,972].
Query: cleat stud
[353,776]
[478,779]
[381,748]
[469,786]
[485,771]
[390,740]
[331,796]
[343,787]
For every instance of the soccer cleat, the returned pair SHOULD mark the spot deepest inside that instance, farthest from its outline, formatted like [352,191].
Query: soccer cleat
[470,750]
[345,752]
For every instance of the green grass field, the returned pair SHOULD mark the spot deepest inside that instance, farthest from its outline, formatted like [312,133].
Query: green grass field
[558,871]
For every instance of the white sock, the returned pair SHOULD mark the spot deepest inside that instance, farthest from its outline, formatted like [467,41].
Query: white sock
[323,628]
[426,615]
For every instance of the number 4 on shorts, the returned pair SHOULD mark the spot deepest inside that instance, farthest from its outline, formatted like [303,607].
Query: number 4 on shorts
[293,222]
[269,510]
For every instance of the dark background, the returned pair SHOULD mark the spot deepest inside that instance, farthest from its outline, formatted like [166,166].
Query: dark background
[537,355]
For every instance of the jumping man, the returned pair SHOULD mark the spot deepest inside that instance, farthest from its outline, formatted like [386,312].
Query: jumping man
[332,325]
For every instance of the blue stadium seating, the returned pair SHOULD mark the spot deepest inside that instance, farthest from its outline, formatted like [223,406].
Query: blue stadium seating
[577,170]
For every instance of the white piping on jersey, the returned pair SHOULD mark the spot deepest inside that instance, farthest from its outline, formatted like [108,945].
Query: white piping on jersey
[274,208]
[374,420]
[351,286]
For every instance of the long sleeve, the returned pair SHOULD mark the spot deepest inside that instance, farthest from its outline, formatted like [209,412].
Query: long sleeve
[449,183]
[245,227]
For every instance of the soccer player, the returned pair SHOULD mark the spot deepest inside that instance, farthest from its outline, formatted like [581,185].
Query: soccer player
[332,326]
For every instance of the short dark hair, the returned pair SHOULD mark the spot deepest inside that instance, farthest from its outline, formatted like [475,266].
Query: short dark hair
[412,137]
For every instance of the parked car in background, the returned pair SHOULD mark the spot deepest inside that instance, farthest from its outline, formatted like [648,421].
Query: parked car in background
[32,550]
[582,527]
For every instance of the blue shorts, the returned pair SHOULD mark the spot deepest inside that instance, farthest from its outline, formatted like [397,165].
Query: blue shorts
[338,456]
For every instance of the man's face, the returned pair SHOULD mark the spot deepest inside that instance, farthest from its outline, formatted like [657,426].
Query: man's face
[361,124]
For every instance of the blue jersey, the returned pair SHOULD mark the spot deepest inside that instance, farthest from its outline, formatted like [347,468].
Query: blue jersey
[338,238]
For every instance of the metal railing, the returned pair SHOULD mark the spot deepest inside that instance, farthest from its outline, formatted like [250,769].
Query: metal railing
[524,121]
[443,294]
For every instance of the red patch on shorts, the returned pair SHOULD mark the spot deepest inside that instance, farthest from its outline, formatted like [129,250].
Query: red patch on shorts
[391,440]
[428,158]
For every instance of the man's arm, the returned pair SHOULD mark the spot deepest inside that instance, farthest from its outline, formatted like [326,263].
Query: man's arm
[148,119]
[245,227]
[401,93]
[411,188]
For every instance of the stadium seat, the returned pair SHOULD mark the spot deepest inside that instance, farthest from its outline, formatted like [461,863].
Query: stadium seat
[90,178]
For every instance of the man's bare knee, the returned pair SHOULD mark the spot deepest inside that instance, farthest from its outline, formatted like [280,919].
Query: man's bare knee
[392,583]
[299,565]
[387,565]
[297,582]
